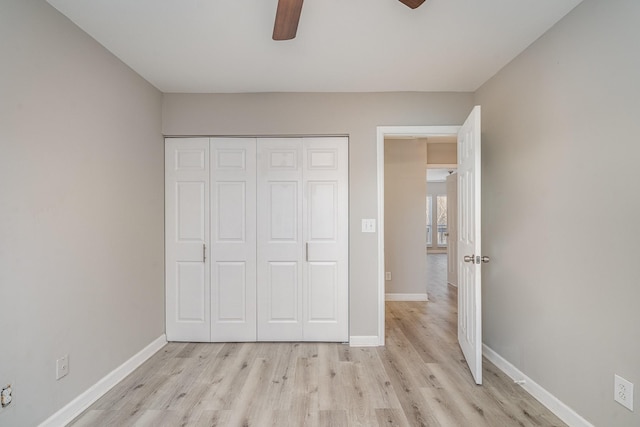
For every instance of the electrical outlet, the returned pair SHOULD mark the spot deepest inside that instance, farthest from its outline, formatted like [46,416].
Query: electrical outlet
[623,392]
[6,395]
[387,275]
[62,366]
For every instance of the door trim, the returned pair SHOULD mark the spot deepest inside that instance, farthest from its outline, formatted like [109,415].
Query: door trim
[395,131]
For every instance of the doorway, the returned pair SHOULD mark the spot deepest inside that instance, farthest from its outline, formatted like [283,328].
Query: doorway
[396,132]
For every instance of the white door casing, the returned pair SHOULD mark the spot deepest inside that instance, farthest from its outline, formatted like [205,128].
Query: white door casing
[452,229]
[469,244]
[233,239]
[187,233]
[325,225]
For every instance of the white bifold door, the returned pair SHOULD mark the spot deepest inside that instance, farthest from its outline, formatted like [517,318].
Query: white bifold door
[257,239]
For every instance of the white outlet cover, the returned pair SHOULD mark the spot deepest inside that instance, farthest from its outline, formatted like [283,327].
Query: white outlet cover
[62,366]
[623,392]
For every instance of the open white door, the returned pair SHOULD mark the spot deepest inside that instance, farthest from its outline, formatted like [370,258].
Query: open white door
[469,256]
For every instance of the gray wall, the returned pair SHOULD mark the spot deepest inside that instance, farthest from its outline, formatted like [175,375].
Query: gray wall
[353,114]
[81,216]
[558,304]
[405,191]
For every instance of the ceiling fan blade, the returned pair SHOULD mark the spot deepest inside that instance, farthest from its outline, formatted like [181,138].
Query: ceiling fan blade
[412,3]
[287,17]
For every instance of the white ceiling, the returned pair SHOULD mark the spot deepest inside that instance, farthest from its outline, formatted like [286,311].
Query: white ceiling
[341,46]
[438,175]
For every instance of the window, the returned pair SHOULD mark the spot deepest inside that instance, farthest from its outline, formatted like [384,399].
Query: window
[442,220]
[429,216]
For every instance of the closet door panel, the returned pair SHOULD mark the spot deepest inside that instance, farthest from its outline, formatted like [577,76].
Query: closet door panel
[186,233]
[325,288]
[280,244]
[233,239]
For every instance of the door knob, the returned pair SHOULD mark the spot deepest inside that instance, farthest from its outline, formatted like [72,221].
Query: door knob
[446,234]
[468,258]
[485,259]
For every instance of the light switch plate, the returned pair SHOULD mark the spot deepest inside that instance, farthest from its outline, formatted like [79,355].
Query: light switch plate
[368,225]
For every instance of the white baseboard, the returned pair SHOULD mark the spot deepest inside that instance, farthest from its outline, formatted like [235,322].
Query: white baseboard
[364,341]
[406,297]
[93,393]
[555,405]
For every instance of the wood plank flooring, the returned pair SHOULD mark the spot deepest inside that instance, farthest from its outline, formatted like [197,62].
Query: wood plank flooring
[418,379]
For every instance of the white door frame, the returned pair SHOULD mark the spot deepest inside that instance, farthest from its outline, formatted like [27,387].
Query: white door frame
[389,132]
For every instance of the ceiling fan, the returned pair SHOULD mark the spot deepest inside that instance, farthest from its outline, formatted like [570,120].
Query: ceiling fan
[288,16]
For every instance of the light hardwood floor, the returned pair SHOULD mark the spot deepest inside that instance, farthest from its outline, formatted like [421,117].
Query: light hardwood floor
[418,379]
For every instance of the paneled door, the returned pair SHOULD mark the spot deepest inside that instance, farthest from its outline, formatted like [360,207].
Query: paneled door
[280,239]
[257,239]
[303,239]
[187,239]
[469,246]
[325,232]
[233,239]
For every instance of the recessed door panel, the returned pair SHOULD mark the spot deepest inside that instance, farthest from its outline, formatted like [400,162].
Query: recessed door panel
[232,291]
[231,159]
[323,292]
[283,292]
[322,159]
[231,205]
[191,293]
[283,159]
[283,210]
[323,212]
[191,211]
[190,159]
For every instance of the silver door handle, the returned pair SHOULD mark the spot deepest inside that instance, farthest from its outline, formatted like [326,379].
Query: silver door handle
[485,259]
[471,258]
[306,252]
[204,252]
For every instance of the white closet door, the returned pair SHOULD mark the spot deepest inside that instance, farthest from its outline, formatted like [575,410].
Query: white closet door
[233,239]
[325,224]
[280,240]
[186,234]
